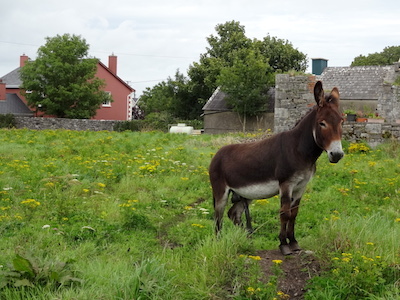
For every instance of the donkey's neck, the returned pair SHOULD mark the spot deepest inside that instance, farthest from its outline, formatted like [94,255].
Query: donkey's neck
[303,133]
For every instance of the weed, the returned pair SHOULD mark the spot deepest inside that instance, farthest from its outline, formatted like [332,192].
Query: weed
[26,272]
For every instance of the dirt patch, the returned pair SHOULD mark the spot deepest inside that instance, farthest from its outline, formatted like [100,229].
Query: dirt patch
[297,270]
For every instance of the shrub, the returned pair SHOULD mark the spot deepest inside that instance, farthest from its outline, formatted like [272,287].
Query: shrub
[7,121]
[26,272]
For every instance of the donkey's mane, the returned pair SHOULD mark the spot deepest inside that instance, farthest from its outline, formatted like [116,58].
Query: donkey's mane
[304,116]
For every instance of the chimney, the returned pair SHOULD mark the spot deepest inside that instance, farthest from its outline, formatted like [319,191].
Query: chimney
[318,65]
[23,58]
[112,63]
[2,90]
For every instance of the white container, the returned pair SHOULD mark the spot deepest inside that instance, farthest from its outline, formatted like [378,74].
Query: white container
[181,128]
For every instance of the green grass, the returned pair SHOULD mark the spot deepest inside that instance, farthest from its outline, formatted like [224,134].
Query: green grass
[130,214]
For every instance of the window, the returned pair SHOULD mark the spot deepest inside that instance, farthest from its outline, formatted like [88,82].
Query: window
[107,103]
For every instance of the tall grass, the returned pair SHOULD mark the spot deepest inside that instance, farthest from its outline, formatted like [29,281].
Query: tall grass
[130,214]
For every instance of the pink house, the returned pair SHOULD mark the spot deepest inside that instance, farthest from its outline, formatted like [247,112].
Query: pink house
[121,93]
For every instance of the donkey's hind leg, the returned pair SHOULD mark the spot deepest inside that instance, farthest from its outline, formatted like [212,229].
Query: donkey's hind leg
[219,207]
[239,206]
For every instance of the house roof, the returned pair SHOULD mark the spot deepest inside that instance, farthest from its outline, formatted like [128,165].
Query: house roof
[14,105]
[12,79]
[116,76]
[357,83]
[217,101]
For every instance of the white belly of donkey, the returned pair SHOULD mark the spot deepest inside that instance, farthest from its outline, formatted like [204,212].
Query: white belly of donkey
[258,190]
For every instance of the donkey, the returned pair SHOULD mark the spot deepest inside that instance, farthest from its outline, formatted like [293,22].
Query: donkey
[282,164]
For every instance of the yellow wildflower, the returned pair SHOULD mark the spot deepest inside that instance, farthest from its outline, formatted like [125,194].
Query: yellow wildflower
[255,257]
[277,261]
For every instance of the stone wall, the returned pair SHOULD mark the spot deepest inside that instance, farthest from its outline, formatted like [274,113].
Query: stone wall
[389,102]
[294,97]
[372,133]
[59,123]
[227,121]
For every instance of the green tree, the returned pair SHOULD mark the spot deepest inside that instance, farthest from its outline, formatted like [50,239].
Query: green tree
[61,81]
[174,96]
[246,83]
[281,55]
[229,45]
[388,56]
[223,52]
[204,74]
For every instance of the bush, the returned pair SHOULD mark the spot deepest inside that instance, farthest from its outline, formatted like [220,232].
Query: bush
[7,121]
[134,125]
[155,121]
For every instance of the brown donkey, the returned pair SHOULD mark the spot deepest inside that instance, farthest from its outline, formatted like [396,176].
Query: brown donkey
[282,164]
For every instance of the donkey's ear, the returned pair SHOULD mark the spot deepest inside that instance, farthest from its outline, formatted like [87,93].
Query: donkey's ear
[334,97]
[319,93]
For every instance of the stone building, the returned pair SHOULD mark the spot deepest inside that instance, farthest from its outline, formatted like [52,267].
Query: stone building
[219,118]
[366,89]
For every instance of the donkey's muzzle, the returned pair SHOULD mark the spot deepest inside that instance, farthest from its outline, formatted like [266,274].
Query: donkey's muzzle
[334,157]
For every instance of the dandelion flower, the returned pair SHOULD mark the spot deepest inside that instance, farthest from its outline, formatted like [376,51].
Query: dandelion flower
[255,257]
[277,261]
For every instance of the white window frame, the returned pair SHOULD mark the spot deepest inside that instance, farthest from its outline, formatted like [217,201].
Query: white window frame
[107,103]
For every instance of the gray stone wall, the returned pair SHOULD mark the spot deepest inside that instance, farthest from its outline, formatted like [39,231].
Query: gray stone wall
[372,133]
[227,121]
[389,102]
[294,97]
[69,124]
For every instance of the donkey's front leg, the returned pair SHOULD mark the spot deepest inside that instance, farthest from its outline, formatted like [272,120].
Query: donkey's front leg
[285,216]
[293,245]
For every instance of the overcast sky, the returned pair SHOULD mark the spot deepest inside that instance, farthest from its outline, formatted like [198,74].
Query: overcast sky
[154,38]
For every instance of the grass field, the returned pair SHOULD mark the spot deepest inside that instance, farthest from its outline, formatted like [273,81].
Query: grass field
[108,215]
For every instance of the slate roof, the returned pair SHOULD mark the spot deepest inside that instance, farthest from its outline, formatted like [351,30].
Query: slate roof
[12,79]
[357,83]
[14,105]
[216,102]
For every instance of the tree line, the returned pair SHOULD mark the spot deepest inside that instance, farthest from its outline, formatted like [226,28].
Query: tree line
[62,81]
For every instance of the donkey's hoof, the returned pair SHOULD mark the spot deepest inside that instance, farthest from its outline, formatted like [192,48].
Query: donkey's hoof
[294,247]
[285,250]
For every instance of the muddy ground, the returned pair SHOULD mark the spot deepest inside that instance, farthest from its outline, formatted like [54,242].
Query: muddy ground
[297,270]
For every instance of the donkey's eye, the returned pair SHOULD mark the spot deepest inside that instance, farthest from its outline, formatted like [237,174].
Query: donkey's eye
[322,124]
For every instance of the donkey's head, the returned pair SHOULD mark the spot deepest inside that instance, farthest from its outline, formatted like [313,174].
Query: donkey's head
[328,123]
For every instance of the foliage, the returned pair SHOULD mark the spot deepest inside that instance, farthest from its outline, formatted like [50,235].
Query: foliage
[7,121]
[155,121]
[281,55]
[61,81]
[133,212]
[133,125]
[388,56]
[246,83]
[228,49]
[25,272]
[173,97]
